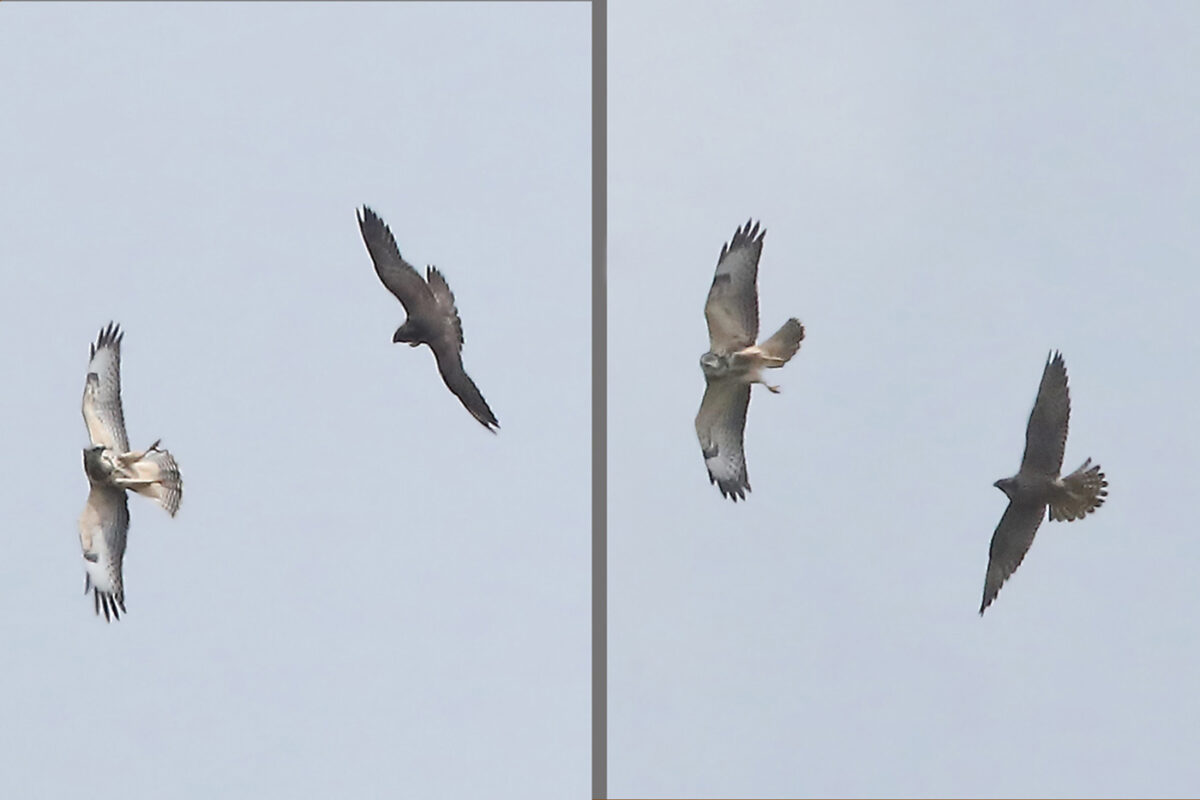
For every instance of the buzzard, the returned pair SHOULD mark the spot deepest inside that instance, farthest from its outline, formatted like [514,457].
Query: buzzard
[111,469]
[1038,485]
[733,361]
[432,318]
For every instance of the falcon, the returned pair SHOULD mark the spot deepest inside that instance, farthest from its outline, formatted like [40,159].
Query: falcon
[734,362]
[111,470]
[1037,484]
[432,317]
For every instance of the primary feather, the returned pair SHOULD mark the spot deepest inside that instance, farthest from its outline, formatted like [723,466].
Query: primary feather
[102,411]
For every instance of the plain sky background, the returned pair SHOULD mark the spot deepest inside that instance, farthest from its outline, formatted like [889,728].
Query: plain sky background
[364,594]
[950,191]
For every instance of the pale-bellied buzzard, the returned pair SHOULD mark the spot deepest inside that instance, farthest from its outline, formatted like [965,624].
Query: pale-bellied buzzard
[432,317]
[111,469]
[733,362]
[1038,485]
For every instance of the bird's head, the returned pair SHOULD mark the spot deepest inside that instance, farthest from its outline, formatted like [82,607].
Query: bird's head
[1006,485]
[713,364]
[407,333]
[96,466]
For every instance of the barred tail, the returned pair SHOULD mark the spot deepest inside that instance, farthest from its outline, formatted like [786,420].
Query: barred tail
[1083,491]
[158,478]
[783,344]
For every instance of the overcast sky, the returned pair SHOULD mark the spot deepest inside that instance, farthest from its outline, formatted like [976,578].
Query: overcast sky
[950,191]
[364,594]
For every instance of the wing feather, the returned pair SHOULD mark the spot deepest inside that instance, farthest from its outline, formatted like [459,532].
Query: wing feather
[444,298]
[449,362]
[720,427]
[1010,543]
[400,278]
[102,391]
[732,306]
[1046,433]
[103,528]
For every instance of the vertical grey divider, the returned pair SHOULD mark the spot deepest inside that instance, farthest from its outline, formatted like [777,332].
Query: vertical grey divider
[599,399]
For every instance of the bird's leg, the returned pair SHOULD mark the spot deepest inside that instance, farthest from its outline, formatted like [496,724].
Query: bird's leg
[770,388]
[133,482]
[137,455]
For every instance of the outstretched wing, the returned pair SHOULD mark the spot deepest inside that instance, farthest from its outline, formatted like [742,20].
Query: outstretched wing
[1010,543]
[444,300]
[400,278]
[154,474]
[732,306]
[447,349]
[449,362]
[102,392]
[102,530]
[1046,434]
[720,426]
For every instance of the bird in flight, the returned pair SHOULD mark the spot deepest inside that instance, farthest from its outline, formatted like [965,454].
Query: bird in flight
[432,317]
[1037,484]
[734,362]
[111,469]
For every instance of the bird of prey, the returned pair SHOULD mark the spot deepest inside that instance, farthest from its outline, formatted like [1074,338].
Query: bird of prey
[734,362]
[432,318]
[112,469]
[1038,485]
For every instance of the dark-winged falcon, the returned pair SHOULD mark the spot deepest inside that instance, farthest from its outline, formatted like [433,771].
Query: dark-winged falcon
[1037,484]
[432,317]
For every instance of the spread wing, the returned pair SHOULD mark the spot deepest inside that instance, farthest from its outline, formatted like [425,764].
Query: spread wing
[102,392]
[732,305]
[400,278]
[447,349]
[449,362]
[154,474]
[1046,434]
[1010,543]
[102,530]
[443,299]
[720,426]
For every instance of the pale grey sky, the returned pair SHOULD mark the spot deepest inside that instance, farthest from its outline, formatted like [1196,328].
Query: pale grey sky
[364,593]
[950,191]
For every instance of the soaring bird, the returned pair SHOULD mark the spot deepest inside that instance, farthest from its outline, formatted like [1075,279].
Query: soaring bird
[111,469]
[1037,484]
[734,362]
[432,317]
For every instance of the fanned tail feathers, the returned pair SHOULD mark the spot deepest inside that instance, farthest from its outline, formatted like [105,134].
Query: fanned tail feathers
[1083,492]
[153,473]
[168,486]
[780,348]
